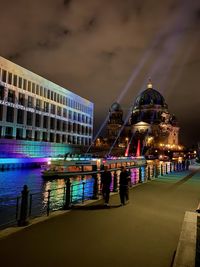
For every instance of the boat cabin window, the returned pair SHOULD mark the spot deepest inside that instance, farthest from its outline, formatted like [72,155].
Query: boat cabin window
[74,168]
[87,168]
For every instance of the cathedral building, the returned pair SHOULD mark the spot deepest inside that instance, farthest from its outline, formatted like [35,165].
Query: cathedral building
[150,122]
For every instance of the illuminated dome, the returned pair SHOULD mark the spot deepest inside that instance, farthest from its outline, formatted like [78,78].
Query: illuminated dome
[150,97]
[115,107]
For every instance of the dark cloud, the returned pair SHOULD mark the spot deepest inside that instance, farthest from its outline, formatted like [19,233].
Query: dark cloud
[93,47]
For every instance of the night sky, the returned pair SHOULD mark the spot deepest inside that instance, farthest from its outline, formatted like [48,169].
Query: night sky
[94,47]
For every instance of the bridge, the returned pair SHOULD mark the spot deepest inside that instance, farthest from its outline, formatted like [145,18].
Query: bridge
[143,233]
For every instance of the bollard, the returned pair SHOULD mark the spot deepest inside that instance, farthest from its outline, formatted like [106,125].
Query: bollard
[115,182]
[23,220]
[166,169]
[95,187]
[67,204]
[170,167]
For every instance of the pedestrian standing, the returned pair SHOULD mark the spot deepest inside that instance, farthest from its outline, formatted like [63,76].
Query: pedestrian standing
[124,186]
[106,179]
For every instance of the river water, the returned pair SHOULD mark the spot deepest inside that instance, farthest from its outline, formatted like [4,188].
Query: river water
[12,182]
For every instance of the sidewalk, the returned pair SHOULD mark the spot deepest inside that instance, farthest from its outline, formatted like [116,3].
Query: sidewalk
[140,234]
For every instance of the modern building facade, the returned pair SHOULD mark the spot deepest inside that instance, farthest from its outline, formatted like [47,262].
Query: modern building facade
[39,118]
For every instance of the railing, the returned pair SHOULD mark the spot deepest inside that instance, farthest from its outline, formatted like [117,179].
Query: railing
[30,205]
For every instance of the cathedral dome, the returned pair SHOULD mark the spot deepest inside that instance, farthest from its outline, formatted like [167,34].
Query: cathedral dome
[150,97]
[115,107]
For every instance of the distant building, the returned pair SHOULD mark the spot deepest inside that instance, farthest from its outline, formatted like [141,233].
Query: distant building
[150,121]
[39,118]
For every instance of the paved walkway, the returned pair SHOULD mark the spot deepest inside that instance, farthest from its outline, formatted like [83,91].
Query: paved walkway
[140,234]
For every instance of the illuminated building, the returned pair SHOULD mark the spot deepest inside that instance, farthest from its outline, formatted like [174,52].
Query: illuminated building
[150,121]
[39,118]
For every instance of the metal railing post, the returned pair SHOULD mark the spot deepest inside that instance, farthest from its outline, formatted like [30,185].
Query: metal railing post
[95,188]
[23,220]
[67,195]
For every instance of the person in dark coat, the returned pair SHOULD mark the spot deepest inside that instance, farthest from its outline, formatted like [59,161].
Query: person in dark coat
[124,185]
[106,179]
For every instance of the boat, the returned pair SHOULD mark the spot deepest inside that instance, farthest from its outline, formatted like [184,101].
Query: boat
[63,168]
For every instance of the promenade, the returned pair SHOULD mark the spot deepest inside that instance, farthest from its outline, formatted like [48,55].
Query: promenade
[143,233]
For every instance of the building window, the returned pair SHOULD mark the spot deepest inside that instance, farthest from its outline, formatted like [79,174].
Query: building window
[29,86]
[11,96]
[53,109]
[37,120]
[63,138]
[38,104]
[70,114]
[15,80]
[64,113]
[52,95]
[10,78]
[59,110]
[45,122]
[37,90]
[37,136]
[10,114]
[9,132]
[25,84]
[44,136]
[52,123]
[2,92]
[46,107]
[51,137]
[64,126]
[21,100]
[19,133]
[20,82]
[30,101]
[4,76]
[20,116]
[55,97]
[57,138]
[48,94]
[33,88]
[28,134]
[41,90]
[29,118]
[58,125]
